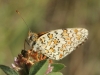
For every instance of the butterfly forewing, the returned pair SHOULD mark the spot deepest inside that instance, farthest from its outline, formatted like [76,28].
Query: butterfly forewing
[59,43]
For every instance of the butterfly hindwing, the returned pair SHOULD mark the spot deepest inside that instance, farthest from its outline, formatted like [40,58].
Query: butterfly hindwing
[57,44]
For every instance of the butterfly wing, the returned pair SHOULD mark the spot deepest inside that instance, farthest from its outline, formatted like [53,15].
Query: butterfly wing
[59,43]
[42,33]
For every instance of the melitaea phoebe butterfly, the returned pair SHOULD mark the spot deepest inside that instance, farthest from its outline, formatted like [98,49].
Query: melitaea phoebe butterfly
[56,44]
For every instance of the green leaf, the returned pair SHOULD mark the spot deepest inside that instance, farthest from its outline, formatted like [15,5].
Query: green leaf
[8,70]
[39,68]
[55,73]
[57,67]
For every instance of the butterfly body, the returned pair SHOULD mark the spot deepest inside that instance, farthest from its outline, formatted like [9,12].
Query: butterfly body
[57,44]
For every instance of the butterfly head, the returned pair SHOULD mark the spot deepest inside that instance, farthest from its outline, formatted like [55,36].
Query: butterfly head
[32,37]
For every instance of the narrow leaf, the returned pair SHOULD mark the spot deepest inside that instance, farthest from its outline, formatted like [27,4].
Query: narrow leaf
[55,73]
[37,67]
[57,67]
[8,70]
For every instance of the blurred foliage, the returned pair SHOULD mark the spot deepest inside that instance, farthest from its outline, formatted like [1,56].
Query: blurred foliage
[44,15]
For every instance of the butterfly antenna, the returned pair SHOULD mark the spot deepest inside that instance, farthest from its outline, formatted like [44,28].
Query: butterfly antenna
[23,20]
[27,27]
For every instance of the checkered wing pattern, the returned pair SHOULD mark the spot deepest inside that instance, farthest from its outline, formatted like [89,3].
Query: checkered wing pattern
[57,44]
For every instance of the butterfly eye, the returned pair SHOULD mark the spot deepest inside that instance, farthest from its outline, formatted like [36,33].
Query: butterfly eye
[31,37]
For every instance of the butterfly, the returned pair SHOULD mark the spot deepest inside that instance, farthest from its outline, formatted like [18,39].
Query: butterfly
[56,44]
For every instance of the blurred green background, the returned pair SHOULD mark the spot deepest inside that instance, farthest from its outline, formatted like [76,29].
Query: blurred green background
[45,15]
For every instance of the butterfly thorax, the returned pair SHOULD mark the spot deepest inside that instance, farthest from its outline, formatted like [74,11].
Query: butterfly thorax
[32,37]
